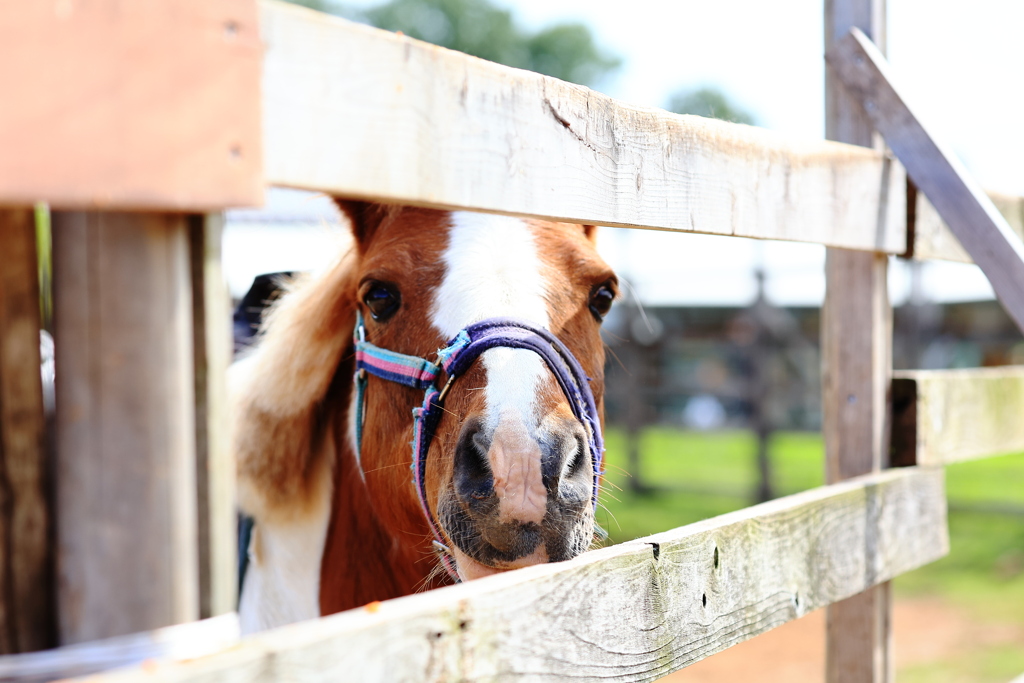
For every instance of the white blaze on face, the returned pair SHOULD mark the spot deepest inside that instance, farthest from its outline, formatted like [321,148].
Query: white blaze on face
[493,270]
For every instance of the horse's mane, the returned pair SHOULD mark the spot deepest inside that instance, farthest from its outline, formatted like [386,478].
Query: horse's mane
[279,394]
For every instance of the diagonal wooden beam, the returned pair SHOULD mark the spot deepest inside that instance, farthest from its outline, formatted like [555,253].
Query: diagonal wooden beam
[970,214]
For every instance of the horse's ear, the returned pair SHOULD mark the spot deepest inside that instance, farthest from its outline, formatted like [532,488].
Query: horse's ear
[364,218]
[590,231]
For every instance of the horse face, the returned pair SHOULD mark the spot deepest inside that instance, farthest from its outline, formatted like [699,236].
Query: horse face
[509,473]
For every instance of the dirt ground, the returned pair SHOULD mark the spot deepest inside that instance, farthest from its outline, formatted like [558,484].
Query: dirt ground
[926,631]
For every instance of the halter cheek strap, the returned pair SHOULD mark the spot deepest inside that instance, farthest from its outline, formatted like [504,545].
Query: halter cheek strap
[412,371]
[453,360]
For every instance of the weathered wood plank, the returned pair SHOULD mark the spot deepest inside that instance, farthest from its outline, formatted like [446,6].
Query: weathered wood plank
[131,104]
[856,365]
[970,214]
[947,416]
[632,612]
[172,642]
[27,605]
[933,238]
[126,521]
[215,467]
[353,110]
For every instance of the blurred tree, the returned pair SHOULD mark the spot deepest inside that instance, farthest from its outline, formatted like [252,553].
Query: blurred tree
[709,102]
[566,51]
[318,5]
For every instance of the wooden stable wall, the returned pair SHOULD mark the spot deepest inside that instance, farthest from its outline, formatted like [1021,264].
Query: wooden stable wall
[143,529]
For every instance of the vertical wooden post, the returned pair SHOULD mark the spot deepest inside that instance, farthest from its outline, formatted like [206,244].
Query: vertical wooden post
[856,370]
[215,469]
[27,616]
[126,519]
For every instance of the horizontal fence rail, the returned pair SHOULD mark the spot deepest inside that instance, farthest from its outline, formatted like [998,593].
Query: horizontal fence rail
[946,416]
[131,105]
[354,110]
[634,611]
[184,641]
[934,240]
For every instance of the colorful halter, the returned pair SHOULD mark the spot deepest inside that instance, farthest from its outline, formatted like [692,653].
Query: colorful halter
[453,360]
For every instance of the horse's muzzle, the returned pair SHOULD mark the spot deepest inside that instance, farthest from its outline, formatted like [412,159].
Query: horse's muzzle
[518,497]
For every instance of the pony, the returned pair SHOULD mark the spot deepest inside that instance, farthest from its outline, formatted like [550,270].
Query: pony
[509,471]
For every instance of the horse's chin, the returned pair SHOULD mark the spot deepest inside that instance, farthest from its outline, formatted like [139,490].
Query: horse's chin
[469,569]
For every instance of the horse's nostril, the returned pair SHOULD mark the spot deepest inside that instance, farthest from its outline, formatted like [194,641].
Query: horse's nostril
[567,465]
[472,475]
[569,454]
[577,457]
[481,443]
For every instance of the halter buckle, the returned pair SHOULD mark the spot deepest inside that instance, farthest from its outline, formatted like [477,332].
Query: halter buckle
[444,391]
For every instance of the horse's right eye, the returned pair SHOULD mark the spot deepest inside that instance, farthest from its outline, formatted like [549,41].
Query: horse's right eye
[382,299]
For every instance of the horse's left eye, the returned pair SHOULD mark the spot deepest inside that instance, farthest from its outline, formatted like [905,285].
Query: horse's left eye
[382,300]
[601,300]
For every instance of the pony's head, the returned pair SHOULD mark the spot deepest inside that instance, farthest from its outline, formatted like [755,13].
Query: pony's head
[509,473]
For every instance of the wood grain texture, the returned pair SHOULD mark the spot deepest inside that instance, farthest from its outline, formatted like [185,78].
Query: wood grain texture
[27,605]
[632,612]
[856,366]
[934,240]
[973,219]
[948,416]
[856,363]
[356,111]
[131,104]
[215,467]
[125,433]
[179,642]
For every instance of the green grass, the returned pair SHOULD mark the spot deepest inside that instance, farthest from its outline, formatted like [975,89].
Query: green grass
[991,665]
[700,475]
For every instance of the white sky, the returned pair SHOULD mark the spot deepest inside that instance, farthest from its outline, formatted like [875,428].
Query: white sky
[960,65]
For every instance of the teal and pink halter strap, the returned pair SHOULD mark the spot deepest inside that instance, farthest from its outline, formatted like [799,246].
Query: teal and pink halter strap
[454,359]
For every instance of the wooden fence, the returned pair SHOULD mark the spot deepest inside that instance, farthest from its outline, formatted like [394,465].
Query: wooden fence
[143,480]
